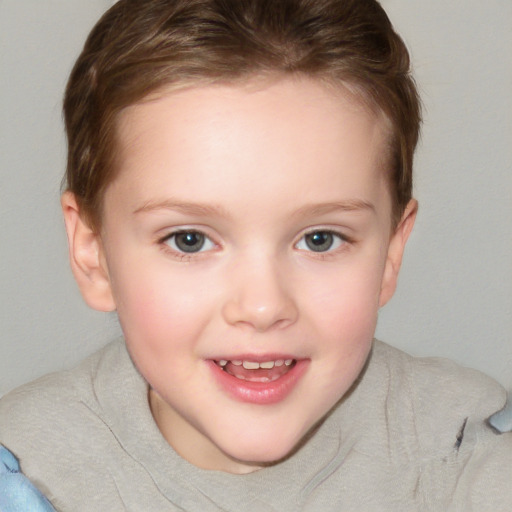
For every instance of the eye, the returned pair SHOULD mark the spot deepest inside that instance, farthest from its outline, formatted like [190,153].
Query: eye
[320,241]
[189,242]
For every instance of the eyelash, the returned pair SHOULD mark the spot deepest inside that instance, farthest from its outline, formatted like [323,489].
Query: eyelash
[342,242]
[175,251]
[164,242]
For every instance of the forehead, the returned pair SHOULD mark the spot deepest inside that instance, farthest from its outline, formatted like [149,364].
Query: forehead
[298,96]
[263,139]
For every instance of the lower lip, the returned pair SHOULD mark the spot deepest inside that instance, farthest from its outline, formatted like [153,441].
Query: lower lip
[261,393]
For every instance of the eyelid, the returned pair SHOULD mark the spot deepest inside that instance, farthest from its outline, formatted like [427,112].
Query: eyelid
[344,239]
[163,242]
[176,230]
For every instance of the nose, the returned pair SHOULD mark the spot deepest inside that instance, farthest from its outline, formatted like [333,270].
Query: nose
[260,297]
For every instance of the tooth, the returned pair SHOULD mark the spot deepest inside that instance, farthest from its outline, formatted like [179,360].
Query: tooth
[249,365]
[223,362]
[288,362]
[268,365]
[237,363]
[279,362]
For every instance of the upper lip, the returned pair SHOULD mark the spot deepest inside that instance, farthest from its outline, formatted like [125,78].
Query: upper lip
[257,358]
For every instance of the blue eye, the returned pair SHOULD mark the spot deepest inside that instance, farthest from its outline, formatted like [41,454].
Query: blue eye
[189,242]
[320,241]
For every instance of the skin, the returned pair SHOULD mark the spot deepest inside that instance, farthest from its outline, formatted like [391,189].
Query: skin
[256,168]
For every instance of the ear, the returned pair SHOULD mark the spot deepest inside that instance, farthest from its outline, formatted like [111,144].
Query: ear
[87,257]
[395,252]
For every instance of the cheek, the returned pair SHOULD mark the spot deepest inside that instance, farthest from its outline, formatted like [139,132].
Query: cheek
[349,296]
[161,309]
[346,310]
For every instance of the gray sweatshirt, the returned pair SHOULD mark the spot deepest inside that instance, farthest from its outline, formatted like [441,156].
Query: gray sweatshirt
[410,436]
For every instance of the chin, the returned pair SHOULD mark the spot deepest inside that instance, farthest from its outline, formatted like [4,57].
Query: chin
[264,450]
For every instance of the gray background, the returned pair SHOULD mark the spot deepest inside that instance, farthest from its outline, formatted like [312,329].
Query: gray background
[455,292]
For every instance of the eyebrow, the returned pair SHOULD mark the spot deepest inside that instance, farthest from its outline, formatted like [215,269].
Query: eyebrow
[205,210]
[201,210]
[352,205]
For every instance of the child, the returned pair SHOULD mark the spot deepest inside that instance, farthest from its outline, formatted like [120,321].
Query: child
[239,191]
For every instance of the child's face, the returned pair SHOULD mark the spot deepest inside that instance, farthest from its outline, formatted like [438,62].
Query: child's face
[254,225]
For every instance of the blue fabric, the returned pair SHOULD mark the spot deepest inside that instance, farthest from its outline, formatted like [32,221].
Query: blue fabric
[502,420]
[17,494]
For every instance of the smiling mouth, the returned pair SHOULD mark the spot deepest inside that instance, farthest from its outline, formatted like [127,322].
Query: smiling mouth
[253,371]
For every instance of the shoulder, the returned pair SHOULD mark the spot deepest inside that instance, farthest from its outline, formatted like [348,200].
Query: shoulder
[438,399]
[52,394]
[447,410]
[442,387]
[54,416]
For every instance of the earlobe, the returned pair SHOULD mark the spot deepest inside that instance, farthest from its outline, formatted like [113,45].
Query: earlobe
[395,252]
[86,257]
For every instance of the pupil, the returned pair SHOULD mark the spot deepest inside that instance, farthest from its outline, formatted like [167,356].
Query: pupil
[319,241]
[189,241]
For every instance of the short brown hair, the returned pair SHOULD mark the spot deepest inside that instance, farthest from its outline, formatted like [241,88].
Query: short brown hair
[141,46]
